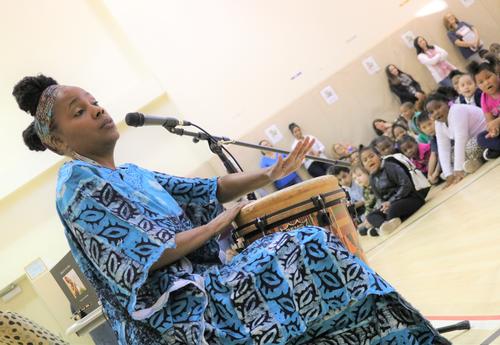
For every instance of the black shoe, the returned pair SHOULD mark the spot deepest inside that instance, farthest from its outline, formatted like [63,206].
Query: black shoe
[490,154]
[363,231]
[373,232]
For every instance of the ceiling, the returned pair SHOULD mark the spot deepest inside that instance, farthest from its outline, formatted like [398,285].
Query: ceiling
[224,63]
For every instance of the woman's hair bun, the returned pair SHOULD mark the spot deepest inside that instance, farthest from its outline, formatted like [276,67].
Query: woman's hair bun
[32,140]
[28,91]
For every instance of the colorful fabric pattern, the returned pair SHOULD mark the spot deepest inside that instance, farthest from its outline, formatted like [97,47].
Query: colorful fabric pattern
[299,287]
[43,116]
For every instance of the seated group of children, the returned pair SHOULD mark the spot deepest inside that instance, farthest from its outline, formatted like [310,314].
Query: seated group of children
[443,138]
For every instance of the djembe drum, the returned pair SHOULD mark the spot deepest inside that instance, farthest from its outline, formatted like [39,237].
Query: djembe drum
[319,201]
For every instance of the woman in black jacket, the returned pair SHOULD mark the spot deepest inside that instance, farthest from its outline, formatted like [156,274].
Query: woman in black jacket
[403,85]
[393,187]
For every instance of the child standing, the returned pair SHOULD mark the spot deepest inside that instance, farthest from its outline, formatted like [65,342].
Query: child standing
[468,91]
[363,179]
[461,123]
[392,185]
[418,153]
[427,126]
[489,82]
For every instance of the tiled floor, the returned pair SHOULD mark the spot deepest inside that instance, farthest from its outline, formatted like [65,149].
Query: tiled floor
[446,258]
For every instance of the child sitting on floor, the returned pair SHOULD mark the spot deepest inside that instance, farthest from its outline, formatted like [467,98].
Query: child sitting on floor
[355,191]
[426,125]
[384,145]
[468,90]
[486,77]
[363,179]
[409,116]
[398,131]
[418,153]
[392,185]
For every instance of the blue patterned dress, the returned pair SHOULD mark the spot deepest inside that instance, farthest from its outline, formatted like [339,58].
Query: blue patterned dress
[300,287]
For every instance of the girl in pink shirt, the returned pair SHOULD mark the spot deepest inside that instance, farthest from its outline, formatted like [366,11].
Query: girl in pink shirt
[489,82]
[418,153]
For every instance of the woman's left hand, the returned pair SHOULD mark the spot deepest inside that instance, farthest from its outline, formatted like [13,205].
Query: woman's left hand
[292,162]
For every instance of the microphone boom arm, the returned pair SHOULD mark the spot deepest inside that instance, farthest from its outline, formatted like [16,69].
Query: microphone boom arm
[227,141]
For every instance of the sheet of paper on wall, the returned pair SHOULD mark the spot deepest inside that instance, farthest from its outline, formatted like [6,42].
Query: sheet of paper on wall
[408,37]
[273,134]
[329,95]
[467,3]
[371,65]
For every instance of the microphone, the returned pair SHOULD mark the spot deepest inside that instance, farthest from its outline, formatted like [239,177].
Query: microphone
[139,119]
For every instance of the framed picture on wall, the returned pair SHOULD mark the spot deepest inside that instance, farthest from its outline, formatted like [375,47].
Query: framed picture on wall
[273,134]
[467,3]
[371,65]
[408,38]
[329,95]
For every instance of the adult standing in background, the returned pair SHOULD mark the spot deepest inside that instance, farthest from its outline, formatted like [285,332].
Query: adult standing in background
[314,168]
[465,37]
[403,85]
[434,58]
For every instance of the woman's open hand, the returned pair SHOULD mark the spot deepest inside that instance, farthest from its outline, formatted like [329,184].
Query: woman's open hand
[292,162]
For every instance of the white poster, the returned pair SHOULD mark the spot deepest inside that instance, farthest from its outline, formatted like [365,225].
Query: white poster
[274,134]
[408,37]
[329,95]
[467,3]
[371,65]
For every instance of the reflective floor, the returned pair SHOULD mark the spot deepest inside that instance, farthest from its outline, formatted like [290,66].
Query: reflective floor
[445,259]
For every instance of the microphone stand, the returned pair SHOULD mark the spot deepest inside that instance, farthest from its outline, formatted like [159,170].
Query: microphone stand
[215,144]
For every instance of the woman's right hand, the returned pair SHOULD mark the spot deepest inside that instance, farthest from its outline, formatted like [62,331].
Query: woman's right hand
[223,221]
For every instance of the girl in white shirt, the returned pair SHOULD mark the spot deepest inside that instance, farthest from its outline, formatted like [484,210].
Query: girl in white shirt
[314,168]
[461,123]
[434,58]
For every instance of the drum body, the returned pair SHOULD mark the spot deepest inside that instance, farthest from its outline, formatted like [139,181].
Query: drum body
[319,201]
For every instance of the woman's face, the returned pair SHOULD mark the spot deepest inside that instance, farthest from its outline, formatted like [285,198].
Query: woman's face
[488,82]
[371,161]
[381,125]
[340,149]
[422,43]
[81,124]
[297,133]
[438,111]
[452,21]
[393,70]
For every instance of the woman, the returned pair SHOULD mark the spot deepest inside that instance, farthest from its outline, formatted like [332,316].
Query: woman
[403,85]
[434,58]
[382,127]
[314,168]
[465,37]
[148,243]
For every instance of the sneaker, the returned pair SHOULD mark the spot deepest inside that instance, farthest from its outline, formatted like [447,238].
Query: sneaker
[363,231]
[374,232]
[490,154]
[389,226]
[471,165]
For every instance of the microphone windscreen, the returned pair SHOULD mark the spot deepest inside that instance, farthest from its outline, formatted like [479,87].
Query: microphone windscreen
[134,119]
